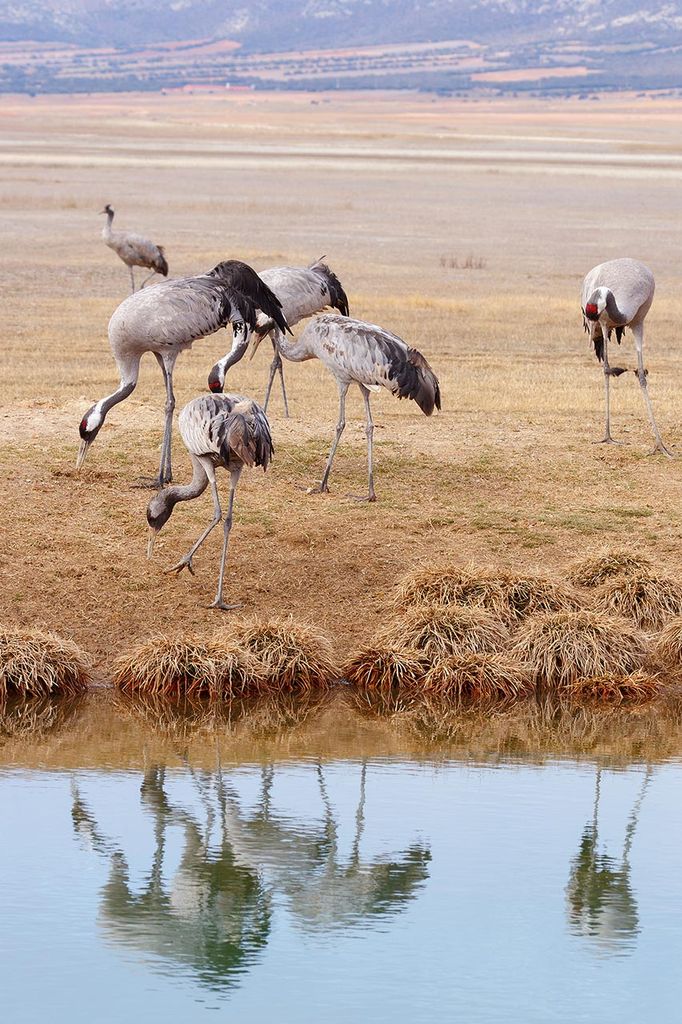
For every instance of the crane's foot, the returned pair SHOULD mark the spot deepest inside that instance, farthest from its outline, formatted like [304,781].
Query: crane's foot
[363,497]
[321,488]
[660,449]
[184,563]
[220,604]
[609,440]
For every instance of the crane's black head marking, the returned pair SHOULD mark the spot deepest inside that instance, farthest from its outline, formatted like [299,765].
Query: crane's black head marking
[159,510]
[90,425]
[107,209]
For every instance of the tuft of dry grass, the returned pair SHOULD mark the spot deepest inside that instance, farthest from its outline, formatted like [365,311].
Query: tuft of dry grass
[509,595]
[384,668]
[192,666]
[562,647]
[668,646]
[593,571]
[635,687]
[648,598]
[34,663]
[443,632]
[290,655]
[479,677]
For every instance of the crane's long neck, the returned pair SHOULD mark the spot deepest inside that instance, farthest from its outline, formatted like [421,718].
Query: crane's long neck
[617,318]
[290,348]
[106,230]
[129,375]
[186,492]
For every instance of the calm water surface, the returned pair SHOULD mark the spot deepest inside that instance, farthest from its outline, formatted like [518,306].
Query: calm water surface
[423,887]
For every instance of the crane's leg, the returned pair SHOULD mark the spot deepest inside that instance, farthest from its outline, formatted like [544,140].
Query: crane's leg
[132,278]
[323,487]
[218,601]
[186,560]
[147,278]
[638,334]
[608,373]
[276,366]
[165,470]
[369,431]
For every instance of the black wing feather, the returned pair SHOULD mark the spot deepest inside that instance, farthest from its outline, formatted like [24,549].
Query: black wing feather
[244,279]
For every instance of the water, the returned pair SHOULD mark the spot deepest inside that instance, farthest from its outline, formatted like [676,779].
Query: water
[177,874]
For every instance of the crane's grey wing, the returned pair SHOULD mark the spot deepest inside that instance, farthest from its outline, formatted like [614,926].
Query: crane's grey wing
[176,313]
[373,356]
[304,291]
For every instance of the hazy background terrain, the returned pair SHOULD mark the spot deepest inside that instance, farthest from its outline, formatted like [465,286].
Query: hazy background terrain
[446,45]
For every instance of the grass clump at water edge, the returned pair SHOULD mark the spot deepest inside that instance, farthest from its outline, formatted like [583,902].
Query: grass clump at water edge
[562,647]
[437,632]
[34,663]
[192,666]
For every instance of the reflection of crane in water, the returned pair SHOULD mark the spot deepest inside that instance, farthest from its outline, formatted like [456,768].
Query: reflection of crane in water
[214,917]
[601,903]
[322,889]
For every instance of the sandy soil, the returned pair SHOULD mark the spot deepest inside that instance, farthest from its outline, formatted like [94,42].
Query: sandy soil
[507,473]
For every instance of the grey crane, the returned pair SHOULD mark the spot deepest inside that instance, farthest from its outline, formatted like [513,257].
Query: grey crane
[218,430]
[371,357]
[168,319]
[615,295]
[134,250]
[303,291]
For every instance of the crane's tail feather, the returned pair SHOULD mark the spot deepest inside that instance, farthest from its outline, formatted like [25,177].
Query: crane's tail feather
[416,380]
[246,432]
[337,296]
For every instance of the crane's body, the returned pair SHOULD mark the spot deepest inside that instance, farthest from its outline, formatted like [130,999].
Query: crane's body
[168,319]
[617,295]
[303,292]
[135,250]
[365,354]
[219,431]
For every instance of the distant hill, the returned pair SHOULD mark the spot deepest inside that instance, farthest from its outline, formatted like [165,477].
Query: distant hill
[276,25]
[565,44]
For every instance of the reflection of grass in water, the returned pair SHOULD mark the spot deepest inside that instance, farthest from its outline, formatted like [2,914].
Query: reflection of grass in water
[37,716]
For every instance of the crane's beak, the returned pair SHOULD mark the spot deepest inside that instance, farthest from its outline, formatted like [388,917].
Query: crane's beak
[102,211]
[151,537]
[257,338]
[82,452]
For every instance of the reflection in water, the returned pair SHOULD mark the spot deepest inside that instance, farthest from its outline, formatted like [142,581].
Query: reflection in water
[37,716]
[601,902]
[214,914]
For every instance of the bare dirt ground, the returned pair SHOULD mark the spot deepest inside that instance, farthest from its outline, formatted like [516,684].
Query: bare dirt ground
[398,192]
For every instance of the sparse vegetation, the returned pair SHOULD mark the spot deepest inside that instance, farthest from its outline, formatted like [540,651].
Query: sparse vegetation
[34,663]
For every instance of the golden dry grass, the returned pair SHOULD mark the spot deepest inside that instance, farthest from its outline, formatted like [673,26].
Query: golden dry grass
[437,631]
[385,668]
[646,597]
[191,666]
[289,655]
[35,663]
[667,648]
[511,596]
[597,569]
[636,688]
[481,677]
[563,647]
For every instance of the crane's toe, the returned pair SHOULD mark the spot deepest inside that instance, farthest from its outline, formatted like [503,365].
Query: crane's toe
[224,607]
[184,563]
[609,440]
[320,489]
[660,448]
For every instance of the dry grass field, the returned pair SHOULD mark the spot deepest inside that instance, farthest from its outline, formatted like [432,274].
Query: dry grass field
[465,227]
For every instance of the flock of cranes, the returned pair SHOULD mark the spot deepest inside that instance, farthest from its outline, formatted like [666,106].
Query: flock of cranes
[231,431]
